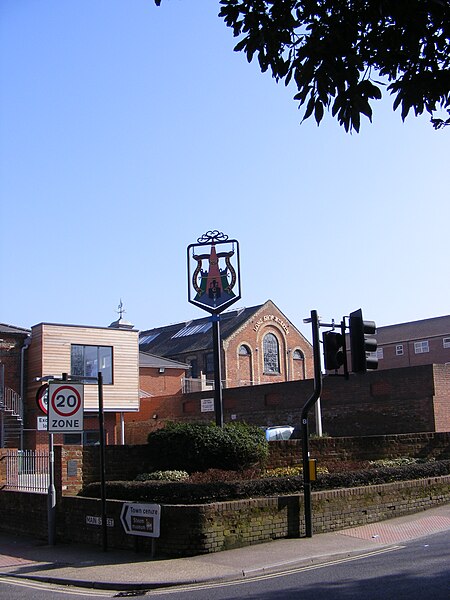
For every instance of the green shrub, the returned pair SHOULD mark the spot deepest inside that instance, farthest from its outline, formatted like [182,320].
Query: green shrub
[185,492]
[398,462]
[219,475]
[198,447]
[163,476]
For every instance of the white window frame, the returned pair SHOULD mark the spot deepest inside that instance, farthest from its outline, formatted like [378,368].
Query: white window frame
[379,353]
[399,350]
[421,347]
[446,342]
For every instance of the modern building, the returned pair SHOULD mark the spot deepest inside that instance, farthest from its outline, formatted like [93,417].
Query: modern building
[414,343]
[259,345]
[82,351]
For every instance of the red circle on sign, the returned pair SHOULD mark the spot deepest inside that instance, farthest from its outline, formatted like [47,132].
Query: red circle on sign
[57,394]
[42,398]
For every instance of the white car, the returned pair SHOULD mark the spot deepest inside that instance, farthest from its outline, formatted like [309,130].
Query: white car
[279,432]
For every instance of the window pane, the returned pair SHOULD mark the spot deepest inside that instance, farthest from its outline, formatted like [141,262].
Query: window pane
[270,348]
[209,362]
[421,347]
[91,361]
[72,439]
[105,363]
[91,438]
[77,362]
[88,361]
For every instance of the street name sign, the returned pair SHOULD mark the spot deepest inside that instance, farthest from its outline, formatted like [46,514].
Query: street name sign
[141,519]
[65,407]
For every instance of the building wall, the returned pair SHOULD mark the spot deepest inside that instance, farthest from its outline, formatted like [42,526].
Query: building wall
[238,369]
[39,440]
[10,357]
[413,399]
[249,369]
[159,384]
[437,354]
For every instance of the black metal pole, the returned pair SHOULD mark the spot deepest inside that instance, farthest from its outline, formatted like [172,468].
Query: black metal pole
[102,461]
[218,404]
[304,425]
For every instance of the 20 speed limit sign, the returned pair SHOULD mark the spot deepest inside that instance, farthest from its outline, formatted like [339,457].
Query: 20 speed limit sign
[65,407]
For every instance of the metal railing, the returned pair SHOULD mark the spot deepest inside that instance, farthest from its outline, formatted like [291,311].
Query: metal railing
[11,402]
[189,384]
[27,471]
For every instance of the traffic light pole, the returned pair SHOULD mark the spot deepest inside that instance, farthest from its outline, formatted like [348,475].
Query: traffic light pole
[304,422]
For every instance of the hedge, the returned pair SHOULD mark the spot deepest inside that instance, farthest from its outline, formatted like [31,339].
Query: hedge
[217,491]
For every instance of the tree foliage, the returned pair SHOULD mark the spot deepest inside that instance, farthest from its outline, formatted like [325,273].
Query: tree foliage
[341,54]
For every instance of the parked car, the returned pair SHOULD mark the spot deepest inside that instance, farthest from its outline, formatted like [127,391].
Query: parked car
[279,432]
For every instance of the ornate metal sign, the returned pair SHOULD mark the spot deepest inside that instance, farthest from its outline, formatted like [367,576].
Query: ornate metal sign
[213,276]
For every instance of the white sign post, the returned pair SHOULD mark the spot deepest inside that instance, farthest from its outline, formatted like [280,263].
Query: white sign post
[65,407]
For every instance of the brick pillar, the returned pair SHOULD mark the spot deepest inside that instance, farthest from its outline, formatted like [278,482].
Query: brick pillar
[68,470]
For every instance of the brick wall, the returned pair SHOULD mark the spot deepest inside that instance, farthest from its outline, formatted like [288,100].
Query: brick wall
[200,529]
[125,462]
[11,356]
[442,397]
[158,384]
[421,445]
[413,399]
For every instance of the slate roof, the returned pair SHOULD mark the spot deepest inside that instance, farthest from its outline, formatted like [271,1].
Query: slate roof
[414,330]
[4,328]
[163,342]
[157,362]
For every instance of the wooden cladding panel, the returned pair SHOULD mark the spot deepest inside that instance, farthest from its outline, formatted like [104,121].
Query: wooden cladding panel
[51,355]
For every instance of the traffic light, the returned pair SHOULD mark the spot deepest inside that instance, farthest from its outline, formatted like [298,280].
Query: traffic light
[360,344]
[333,350]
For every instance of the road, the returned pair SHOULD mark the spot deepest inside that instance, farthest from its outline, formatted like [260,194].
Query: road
[417,570]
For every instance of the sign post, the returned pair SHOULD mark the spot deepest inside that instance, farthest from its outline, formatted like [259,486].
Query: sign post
[214,289]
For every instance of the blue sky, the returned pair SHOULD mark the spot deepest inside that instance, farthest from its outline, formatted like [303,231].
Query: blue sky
[127,131]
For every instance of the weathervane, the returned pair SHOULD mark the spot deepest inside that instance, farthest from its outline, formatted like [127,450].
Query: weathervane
[121,309]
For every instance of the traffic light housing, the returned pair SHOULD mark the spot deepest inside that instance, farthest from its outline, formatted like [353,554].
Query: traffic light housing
[333,350]
[360,344]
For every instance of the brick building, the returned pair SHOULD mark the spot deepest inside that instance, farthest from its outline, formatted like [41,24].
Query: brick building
[160,376]
[415,343]
[259,345]
[13,344]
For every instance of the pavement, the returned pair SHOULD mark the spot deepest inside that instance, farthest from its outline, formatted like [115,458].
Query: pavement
[123,570]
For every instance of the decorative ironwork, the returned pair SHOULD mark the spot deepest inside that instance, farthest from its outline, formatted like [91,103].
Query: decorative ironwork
[211,237]
[216,285]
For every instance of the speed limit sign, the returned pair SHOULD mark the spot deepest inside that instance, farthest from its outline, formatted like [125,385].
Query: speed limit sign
[65,407]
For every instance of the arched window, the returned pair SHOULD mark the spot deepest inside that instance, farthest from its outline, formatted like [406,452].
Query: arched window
[298,355]
[271,354]
[244,350]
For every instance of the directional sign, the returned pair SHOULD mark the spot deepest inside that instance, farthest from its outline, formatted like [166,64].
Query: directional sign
[65,407]
[141,519]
